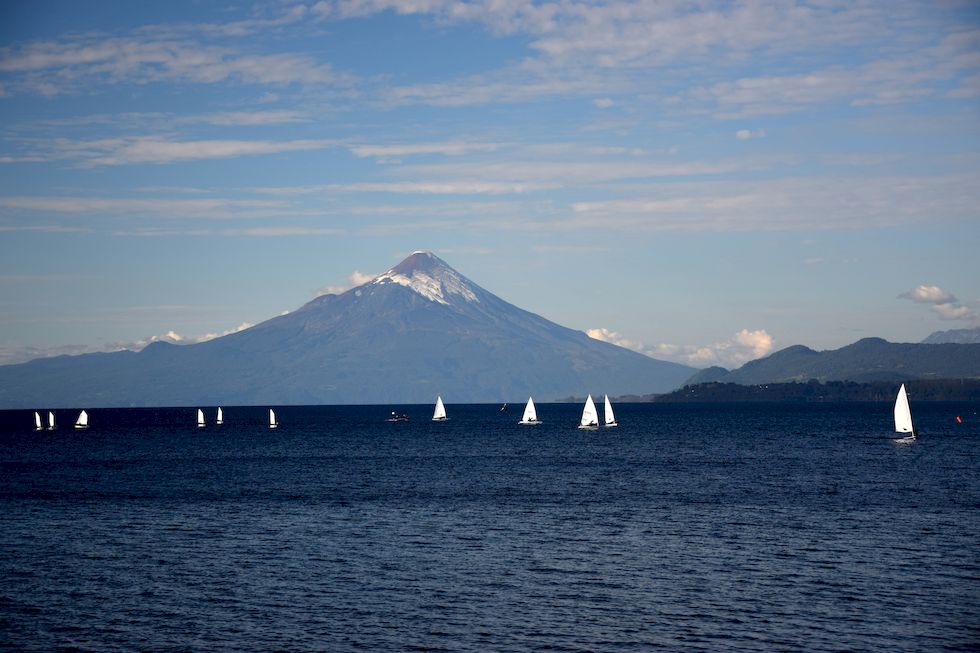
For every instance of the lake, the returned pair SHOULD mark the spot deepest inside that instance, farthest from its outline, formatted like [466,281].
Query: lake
[742,527]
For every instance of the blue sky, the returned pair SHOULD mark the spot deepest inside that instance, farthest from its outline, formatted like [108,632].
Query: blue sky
[704,182]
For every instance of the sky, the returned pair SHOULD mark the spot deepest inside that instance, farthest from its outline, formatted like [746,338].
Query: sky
[705,182]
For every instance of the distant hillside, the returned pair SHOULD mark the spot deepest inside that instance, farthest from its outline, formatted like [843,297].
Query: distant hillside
[867,360]
[958,336]
[814,391]
[708,375]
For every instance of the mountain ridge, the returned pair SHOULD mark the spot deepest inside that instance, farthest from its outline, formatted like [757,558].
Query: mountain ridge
[956,336]
[866,360]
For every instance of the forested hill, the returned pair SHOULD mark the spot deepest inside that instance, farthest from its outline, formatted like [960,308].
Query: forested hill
[815,391]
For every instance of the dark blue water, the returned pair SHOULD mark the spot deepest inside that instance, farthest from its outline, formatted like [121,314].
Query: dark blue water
[689,527]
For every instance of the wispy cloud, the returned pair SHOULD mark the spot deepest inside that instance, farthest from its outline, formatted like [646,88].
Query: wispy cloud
[155,150]
[55,67]
[233,232]
[462,187]
[447,148]
[251,118]
[794,203]
[45,228]
[583,169]
[217,208]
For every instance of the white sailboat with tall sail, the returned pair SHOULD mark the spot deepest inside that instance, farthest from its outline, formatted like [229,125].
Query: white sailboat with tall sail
[273,423]
[221,417]
[608,415]
[38,425]
[590,417]
[82,421]
[903,414]
[50,421]
[200,418]
[439,414]
[530,413]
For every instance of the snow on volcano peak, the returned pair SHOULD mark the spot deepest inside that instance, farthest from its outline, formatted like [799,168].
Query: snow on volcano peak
[429,276]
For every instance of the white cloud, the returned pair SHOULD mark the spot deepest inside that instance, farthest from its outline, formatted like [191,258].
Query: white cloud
[606,335]
[928,295]
[953,311]
[354,279]
[746,134]
[175,338]
[741,348]
[603,103]
[942,303]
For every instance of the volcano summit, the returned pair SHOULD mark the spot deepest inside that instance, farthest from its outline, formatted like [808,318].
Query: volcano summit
[418,330]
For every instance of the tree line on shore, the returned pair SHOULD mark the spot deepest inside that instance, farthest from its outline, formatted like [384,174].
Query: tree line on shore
[816,391]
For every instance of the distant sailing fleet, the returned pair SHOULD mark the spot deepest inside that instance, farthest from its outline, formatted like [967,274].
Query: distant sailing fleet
[589,420]
[590,417]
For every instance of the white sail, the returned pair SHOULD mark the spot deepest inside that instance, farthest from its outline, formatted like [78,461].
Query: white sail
[530,414]
[82,421]
[200,418]
[221,417]
[903,415]
[439,413]
[37,421]
[590,418]
[272,419]
[50,420]
[608,414]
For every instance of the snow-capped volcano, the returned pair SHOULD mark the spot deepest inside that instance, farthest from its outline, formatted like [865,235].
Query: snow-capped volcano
[416,331]
[431,277]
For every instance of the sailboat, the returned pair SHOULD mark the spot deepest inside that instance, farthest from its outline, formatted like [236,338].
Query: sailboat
[590,418]
[903,415]
[50,421]
[272,419]
[610,418]
[439,414]
[530,414]
[38,426]
[200,418]
[221,417]
[82,421]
